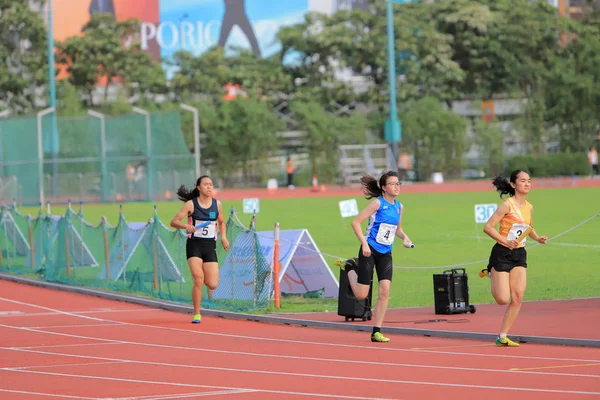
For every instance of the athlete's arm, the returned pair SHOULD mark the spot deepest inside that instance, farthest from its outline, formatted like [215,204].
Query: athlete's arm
[355,224]
[222,227]
[494,220]
[186,210]
[533,234]
[399,231]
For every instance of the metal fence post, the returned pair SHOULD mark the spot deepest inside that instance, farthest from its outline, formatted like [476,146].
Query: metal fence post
[103,174]
[195,111]
[40,115]
[150,166]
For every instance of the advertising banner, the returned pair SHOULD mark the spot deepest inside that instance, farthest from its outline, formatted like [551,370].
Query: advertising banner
[168,26]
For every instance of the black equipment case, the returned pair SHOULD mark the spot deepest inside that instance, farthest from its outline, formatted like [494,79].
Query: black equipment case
[451,292]
[348,306]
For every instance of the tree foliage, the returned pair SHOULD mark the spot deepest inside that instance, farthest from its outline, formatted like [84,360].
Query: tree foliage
[324,133]
[23,51]
[108,50]
[444,51]
[237,132]
[437,135]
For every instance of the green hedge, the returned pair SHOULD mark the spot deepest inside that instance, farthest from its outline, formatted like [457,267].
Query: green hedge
[552,164]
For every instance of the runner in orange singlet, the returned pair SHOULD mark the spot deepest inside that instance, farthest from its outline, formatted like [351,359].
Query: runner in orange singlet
[508,259]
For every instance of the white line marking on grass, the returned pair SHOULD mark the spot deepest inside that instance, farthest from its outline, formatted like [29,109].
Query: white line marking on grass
[586,246]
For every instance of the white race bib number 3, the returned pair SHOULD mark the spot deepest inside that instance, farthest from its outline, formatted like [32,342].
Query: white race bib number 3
[386,234]
[206,232]
[516,230]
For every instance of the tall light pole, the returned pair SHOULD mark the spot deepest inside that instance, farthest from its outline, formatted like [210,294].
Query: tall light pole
[54,145]
[3,114]
[393,129]
[51,56]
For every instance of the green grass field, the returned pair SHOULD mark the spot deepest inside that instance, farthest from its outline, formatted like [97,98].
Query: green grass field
[443,229]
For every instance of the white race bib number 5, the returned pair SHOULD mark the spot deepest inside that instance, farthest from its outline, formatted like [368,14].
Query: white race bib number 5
[206,232]
[386,234]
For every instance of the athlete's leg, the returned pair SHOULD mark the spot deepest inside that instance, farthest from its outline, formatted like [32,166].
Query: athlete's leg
[383,298]
[518,283]
[360,290]
[500,285]
[211,275]
[360,277]
[197,271]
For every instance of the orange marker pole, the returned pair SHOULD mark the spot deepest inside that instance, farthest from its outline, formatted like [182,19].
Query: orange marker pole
[276,267]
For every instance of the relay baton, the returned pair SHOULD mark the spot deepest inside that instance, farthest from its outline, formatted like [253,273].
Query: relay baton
[524,234]
[202,224]
[409,245]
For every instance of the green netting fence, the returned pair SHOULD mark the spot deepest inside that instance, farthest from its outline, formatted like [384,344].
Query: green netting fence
[127,157]
[141,258]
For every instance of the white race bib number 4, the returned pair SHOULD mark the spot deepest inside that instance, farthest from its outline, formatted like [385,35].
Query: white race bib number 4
[206,232]
[516,230]
[386,234]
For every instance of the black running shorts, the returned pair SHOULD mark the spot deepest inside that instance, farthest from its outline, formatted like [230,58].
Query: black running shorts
[503,259]
[202,248]
[382,263]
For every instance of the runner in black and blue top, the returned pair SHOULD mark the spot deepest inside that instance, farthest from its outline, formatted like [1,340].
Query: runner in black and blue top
[382,225]
[205,222]
[204,216]
[385,223]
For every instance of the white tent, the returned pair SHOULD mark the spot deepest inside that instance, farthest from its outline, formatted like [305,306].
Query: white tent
[303,268]
[134,235]
[246,272]
[10,232]
[46,243]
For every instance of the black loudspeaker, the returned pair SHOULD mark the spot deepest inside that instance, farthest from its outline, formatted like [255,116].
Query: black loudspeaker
[451,292]
[348,306]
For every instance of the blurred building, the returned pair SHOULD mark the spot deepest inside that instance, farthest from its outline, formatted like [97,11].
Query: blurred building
[577,9]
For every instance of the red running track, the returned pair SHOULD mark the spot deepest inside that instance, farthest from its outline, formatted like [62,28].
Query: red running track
[62,345]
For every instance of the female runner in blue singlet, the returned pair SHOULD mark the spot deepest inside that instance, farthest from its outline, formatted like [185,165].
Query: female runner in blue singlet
[385,223]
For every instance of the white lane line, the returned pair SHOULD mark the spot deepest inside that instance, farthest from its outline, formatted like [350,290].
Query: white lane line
[296,342]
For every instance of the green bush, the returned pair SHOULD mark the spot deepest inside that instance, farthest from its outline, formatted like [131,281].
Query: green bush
[553,164]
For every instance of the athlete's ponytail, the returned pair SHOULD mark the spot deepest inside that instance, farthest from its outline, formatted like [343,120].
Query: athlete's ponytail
[185,194]
[370,186]
[503,185]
